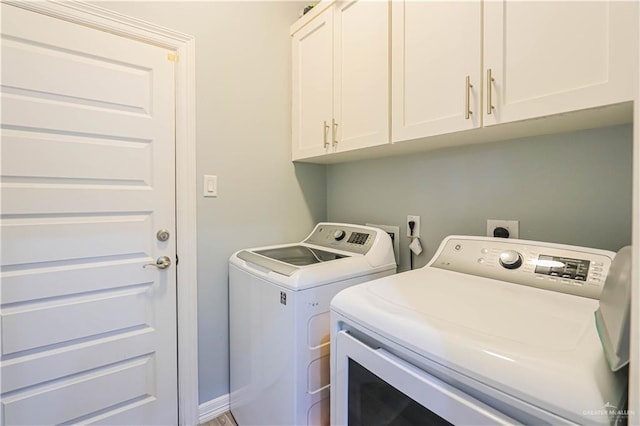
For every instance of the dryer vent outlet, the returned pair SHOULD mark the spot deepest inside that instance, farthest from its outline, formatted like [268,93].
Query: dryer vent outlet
[503,228]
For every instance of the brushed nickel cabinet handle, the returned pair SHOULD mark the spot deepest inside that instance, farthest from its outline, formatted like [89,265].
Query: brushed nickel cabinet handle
[468,111]
[326,132]
[335,132]
[490,81]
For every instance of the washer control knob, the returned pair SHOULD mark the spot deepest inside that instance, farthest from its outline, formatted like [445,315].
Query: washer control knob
[510,259]
[339,235]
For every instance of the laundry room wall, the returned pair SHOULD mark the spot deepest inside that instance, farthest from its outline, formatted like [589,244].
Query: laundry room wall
[243,83]
[572,188]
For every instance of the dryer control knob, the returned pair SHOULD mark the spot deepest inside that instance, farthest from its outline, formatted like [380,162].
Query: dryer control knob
[339,234]
[510,259]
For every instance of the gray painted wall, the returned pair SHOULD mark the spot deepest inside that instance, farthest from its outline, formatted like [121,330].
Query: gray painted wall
[243,78]
[572,188]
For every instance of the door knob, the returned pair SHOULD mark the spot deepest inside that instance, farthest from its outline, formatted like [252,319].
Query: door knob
[162,262]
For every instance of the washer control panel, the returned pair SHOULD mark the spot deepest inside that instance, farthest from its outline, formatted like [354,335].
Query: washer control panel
[557,267]
[345,237]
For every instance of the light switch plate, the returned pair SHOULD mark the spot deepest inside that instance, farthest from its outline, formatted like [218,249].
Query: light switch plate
[210,186]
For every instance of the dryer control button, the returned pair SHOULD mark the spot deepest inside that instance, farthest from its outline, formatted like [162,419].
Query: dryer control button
[510,259]
[339,235]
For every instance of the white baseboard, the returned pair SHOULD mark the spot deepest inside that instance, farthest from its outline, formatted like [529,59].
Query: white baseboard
[212,409]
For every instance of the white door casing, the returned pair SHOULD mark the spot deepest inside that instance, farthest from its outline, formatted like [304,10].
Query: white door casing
[66,194]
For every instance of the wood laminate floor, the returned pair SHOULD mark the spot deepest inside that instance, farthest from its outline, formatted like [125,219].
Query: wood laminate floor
[225,419]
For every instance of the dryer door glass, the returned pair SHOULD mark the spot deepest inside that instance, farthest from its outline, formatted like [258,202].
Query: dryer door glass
[299,255]
[371,386]
[374,402]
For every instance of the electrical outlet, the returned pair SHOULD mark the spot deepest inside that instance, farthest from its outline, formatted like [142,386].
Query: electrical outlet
[416,227]
[394,233]
[510,225]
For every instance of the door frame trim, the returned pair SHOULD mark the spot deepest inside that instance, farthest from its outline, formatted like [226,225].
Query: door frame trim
[183,45]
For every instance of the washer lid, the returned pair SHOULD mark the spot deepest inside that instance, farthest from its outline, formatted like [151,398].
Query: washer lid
[288,259]
[299,255]
[536,345]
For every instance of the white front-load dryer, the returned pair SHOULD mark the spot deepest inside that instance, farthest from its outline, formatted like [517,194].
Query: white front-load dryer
[279,320]
[492,331]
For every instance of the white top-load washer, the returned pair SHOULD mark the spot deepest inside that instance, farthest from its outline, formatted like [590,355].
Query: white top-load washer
[279,319]
[490,331]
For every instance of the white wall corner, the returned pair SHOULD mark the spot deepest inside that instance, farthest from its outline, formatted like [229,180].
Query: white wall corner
[214,408]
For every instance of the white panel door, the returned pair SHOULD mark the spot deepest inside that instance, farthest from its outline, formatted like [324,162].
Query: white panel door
[312,75]
[436,47]
[88,334]
[551,57]
[361,73]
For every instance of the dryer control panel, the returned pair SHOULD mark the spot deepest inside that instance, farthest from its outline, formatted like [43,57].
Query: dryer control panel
[557,267]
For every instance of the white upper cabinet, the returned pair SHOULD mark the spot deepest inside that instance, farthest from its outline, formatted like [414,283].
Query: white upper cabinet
[436,84]
[375,73]
[551,57]
[523,60]
[341,79]
[361,73]
[312,102]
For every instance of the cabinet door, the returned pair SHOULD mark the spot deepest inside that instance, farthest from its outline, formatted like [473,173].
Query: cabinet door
[436,46]
[312,75]
[361,73]
[550,57]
